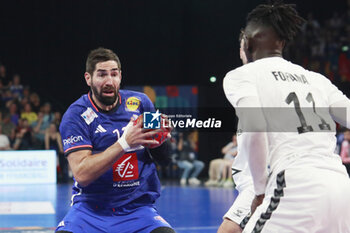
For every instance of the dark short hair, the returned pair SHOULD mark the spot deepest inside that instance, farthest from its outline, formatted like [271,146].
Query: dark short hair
[283,18]
[100,55]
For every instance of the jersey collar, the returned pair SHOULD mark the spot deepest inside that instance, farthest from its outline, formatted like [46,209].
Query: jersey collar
[95,106]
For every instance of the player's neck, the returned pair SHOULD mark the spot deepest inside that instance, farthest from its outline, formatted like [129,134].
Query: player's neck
[102,106]
[266,53]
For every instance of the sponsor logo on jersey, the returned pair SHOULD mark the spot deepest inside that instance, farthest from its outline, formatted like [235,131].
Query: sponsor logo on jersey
[132,104]
[100,129]
[72,139]
[89,115]
[126,168]
[238,213]
[126,184]
[151,120]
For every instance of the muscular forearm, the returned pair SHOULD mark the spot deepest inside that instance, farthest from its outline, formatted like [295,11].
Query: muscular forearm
[87,167]
[91,167]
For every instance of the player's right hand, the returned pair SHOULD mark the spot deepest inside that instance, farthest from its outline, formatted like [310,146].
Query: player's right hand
[134,136]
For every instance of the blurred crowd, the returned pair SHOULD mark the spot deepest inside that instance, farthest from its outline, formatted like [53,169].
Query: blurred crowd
[323,46]
[25,122]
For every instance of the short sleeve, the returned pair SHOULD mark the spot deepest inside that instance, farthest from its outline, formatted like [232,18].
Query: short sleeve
[75,133]
[333,94]
[239,84]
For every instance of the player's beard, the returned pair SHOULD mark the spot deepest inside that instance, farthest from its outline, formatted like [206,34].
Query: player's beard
[105,100]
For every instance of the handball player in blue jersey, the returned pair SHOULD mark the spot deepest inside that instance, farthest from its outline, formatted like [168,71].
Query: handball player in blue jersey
[116,183]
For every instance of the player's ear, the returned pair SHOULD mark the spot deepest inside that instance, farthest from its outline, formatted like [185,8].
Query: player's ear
[281,44]
[247,49]
[87,78]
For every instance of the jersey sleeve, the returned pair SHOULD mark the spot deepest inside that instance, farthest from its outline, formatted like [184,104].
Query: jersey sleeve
[239,84]
[75,133]
[334,95]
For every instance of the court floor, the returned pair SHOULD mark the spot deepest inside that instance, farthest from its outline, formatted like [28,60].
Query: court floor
[39,208]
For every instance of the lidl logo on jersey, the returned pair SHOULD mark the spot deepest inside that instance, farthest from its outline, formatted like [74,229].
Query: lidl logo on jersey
[126,168]
[132,104]
[151,120]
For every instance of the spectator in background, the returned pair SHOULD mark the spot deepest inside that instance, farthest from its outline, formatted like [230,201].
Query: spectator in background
[220,169]
[2,90]
[34,99]
[22,104]
[4,141]
[16,87]
[39,131]
[48,115]
[26,92]
[187,160]
[53,141]
[215,170]
[3,77]
[45,117]
[345,149]
[24,136]
[230,152]
[14,113]
[7,96]
[336,22]
[29,114]
[57,117]
[8,127]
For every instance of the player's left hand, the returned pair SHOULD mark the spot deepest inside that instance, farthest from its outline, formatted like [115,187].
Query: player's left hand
[258,199]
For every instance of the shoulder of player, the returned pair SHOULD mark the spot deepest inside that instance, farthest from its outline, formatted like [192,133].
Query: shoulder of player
[76,108]
[242,70]
[318,79]
[239,74]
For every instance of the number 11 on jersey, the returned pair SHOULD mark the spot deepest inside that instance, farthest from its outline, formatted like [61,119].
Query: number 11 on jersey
[304,128]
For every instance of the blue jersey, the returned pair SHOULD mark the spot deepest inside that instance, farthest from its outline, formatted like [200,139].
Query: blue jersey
[132,181]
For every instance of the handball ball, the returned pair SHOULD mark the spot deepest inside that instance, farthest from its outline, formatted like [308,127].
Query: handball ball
[160,136]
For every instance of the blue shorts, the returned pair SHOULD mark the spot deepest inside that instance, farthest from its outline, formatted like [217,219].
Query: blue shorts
[82,218]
